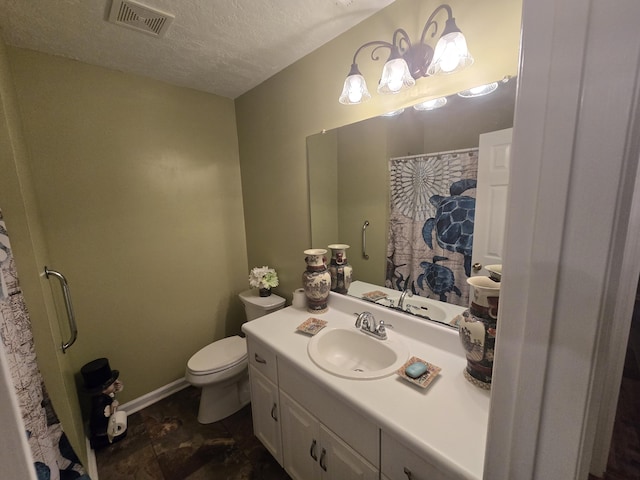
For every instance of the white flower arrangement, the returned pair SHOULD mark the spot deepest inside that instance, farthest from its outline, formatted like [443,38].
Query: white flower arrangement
[263,277]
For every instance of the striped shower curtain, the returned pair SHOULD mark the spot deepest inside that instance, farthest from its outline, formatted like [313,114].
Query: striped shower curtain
[431,222]
[54,458]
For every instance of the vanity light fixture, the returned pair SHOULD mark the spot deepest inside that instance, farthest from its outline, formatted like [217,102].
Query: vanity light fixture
[408,62]
[479,91]
[431,104]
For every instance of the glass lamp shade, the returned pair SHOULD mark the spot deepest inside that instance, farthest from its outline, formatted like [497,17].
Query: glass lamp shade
[479,91]
[354,91]
[393,113]
[451,54]
[431,104]
[395,77]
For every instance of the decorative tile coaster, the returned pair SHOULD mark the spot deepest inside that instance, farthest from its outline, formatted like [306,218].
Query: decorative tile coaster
[311,326]
[374,295]
[423,380]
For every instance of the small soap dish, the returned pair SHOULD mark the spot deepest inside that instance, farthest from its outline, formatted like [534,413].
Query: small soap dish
[311,326]
[374,295]
[423,380]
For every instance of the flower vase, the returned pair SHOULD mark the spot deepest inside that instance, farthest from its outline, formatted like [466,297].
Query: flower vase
[316,281]
[264,292]
[477,330]
[339,268]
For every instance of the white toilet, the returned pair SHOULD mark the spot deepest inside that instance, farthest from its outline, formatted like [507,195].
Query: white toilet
[221,368]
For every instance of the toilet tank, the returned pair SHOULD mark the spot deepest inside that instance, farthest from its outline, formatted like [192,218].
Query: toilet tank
[256,306]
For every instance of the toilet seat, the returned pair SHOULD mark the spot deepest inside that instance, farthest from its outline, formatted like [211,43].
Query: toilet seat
[218,356]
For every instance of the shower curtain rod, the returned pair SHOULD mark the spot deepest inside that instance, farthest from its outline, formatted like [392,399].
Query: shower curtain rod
[410,157]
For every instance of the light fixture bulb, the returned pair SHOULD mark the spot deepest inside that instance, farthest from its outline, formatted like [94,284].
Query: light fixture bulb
[479,91]
[431,104]
[354,90]
[395,77]
[393,113]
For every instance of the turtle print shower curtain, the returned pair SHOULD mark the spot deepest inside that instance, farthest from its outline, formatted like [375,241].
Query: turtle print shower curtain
[53,456]
[432,200]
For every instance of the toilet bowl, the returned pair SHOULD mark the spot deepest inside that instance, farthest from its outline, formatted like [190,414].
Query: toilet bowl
[221,368]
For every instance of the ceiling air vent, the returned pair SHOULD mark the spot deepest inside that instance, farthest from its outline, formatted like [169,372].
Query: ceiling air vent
[140,17]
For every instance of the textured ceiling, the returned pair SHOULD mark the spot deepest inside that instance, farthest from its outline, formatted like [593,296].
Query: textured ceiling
[225,47]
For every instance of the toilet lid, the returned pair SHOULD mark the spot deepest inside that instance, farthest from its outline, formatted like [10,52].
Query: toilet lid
[218,356]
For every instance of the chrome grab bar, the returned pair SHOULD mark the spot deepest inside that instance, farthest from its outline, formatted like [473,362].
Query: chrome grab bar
[67,303]
[364,240]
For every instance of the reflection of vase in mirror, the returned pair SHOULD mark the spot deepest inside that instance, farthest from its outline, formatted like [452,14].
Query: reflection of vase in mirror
[339,268]
[316,280]
[477,329]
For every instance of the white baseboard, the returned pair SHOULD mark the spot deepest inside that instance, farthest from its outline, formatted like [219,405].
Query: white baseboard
[154,396]
[132,407]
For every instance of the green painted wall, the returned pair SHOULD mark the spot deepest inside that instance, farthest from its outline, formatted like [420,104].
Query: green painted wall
[138,186]
[275,118]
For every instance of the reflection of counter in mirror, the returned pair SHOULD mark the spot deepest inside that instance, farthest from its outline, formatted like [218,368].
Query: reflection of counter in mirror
[426,308]
[349,168]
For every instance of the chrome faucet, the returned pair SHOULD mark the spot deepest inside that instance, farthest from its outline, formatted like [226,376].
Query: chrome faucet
[404,293]
[369,325]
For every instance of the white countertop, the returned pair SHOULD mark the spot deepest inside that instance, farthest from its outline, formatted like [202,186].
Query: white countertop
[446,423]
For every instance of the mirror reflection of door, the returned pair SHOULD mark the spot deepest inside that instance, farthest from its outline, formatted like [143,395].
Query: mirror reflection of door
[491,199]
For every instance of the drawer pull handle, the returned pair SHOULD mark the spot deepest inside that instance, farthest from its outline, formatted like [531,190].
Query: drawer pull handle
[259,359]
[408,473]
[312,450]
[323,464]
[274,412]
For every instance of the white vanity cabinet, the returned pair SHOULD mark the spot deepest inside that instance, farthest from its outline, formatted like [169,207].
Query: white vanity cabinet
[265,401]
[398,462]
[313,452]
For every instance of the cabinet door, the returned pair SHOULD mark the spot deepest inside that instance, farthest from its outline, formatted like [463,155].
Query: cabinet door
[338,461]
[266,414]
[300,441]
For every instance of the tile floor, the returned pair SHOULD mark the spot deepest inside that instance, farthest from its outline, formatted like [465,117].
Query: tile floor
[165,442]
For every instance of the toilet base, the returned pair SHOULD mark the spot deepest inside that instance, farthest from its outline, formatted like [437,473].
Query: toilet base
[218,401]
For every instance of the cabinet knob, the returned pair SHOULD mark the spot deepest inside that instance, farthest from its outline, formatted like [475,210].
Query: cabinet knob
[476,267]
[408,473]
[323,463]
[259,359]
[312,450]
[274,412]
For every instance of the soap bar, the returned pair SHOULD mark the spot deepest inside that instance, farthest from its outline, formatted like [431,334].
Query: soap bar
[416,369]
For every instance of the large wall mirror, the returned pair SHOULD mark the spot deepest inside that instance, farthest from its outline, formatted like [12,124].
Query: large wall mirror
[349,169]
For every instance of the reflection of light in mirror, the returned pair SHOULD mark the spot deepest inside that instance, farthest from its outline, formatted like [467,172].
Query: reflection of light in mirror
[393,113]
[479,91]
[431,104]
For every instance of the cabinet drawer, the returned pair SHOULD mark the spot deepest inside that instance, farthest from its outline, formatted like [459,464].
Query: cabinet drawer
[263,359]
[400,463]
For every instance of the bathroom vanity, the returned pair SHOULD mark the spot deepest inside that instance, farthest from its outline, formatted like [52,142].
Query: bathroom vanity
[323,425]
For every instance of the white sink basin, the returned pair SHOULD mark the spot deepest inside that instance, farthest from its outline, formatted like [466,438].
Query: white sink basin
[350,353]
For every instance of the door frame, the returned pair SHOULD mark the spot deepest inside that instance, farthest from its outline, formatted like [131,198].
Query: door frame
[576,130]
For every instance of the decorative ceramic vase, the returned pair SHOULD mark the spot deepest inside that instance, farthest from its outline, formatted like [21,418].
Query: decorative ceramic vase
[316,280]
[477,329]
[339,268]
[264,292]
